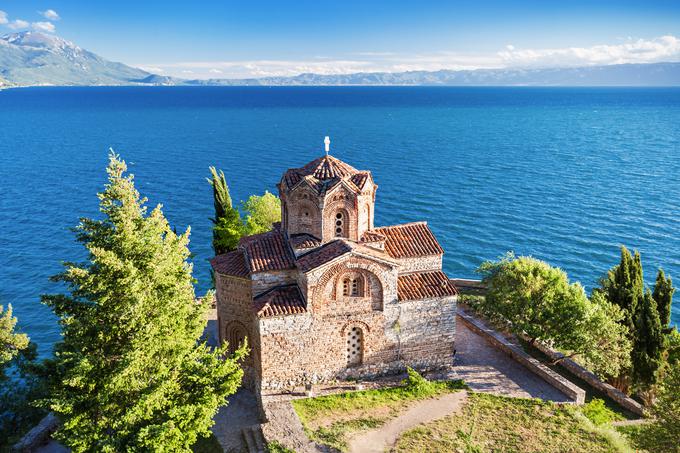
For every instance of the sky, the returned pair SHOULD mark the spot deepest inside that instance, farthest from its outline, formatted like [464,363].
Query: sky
[238,39]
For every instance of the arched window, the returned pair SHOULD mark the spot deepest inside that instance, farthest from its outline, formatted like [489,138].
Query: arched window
[345,286]
[355,346]
[340,224]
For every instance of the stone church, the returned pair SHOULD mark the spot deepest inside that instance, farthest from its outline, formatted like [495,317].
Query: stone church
[327,295]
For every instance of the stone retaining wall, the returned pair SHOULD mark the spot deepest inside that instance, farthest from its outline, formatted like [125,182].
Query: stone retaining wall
[582,373]
[571,390]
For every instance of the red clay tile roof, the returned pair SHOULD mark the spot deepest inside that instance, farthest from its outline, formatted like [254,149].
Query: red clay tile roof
[279,301]
[231,263]
[360,179]
[267,252]
[424,285]
[328,167]
[410,240]
[304,241]
[372,236]
[322,255]
[325,173]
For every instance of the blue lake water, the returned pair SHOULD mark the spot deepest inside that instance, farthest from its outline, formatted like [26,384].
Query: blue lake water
[563,174]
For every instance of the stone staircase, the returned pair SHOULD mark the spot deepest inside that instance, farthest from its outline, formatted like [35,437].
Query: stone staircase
[254,440]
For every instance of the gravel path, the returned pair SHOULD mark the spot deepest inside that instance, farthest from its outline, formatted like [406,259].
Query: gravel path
[380,439]
[486,369]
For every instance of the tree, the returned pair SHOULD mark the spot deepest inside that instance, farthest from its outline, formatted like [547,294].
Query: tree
[130,373]
[227,225]
[21,386]
[663,295]
[649,344]
[538,301]
[666,411]
[262,212]
[624,286]
[11,342]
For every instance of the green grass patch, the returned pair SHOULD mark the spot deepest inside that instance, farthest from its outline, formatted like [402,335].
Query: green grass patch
[646,439]
[332,419]
[275,447]
[599,413]
[494,423]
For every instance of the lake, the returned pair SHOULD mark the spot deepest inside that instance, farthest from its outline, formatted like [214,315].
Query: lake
[564,174]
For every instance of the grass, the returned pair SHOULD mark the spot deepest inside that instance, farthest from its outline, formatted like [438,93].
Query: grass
[495,423]
[332,419]
[646,439]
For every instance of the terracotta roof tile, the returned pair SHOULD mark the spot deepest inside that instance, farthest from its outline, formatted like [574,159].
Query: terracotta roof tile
[372,236]
[231,263]
[267,252]
[280,301]
[360,179]
[322,255]
[410,240]
[324,173]
[424,285]
[304,241]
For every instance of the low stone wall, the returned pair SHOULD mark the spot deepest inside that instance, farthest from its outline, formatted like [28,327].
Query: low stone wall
[571,390]
[591,378]
[38,436]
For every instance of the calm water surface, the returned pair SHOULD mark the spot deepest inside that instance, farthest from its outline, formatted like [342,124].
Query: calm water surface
[566,175]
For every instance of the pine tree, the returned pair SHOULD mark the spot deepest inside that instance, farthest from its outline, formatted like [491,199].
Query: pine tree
[663,295]
[227,225]
[649,345]
[131,374]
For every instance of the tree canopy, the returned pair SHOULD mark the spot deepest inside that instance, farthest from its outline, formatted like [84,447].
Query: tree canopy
[538,301]
[261,213]
[646,315]
[11,342]
[131,373]
[666,410]
[227,225]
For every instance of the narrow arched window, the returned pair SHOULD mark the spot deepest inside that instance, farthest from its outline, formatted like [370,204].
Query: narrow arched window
[357,287]
[355,346]
[340,225]
[345,286]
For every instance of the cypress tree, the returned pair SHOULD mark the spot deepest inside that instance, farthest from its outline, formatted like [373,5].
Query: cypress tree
[649,344]
[663,295]
[131,373]
[624,286]
[227,225]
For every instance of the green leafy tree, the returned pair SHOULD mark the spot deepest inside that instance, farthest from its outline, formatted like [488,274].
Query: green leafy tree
[262,212]
[538,301]
[131,373]
[649,346]
[227,225]
[666,411]
[663,295]
[11,342]
[20,387]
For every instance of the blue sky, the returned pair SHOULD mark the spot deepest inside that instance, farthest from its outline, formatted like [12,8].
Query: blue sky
[259,38]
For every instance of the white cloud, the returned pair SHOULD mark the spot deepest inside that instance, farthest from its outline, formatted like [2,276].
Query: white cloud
[152,69]
[18,24]
[50,14]
[3,17]
[43,26]
[664,48]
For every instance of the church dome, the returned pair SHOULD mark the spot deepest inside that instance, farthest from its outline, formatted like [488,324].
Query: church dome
[324,172]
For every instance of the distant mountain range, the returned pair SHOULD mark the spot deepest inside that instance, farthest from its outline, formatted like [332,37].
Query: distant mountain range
[33,58]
